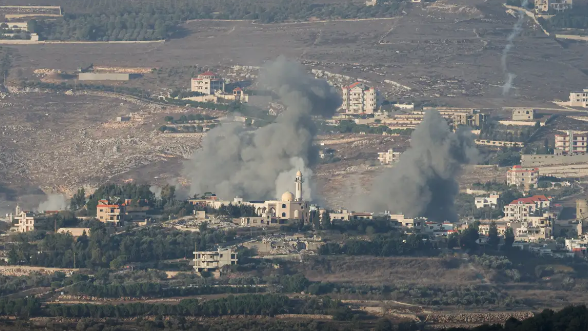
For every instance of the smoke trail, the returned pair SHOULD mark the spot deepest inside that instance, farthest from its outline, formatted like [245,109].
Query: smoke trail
[254,164]
[423,182]
[53,202]
[516,30]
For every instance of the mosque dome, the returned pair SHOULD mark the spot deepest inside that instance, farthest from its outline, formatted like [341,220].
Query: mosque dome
[298,174]
[287,196]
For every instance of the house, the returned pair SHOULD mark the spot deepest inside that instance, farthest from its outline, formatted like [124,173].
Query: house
[522,177]
[571,142]
[212,260]
[579,99]
[490,201]
[359,98]
[25,221]
[389,157]
[523,114]
[207,83]
[107,212]
[524,208]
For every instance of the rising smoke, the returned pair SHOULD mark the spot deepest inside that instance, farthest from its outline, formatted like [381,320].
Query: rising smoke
[516,30]
[53,202]
[423,182]
[261,164]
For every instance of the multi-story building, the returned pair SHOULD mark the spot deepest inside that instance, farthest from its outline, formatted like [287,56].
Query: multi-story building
[25,221]
[211,260]
[473,119]
[523,114]
[388,157]
[522,177]
[524,209]
[570,142]
[107,212]
[358,98]
[490,201]
[544,6]
[579,99]
[207,83]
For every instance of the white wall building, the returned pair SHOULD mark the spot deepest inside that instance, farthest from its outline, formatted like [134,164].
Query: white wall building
[389,157]
[571,142]
[207,83]
[490,201]
[25,221]
[579,99]
[522,177]
[208,261]
[358,98]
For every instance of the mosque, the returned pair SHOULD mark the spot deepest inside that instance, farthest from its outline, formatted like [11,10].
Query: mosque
[289,207]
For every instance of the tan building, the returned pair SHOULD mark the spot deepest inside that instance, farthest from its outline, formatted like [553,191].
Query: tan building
[524,209]
[75,232]
[110,213]
[208,261]
[523,114]
[570,142]
[207,83]
[522,177]
[25,221]
[579,99]
[388,157]
[358,98]
[544,6]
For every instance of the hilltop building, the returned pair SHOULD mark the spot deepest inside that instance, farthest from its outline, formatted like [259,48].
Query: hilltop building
[570,142]
[579,99]
[25,221]
[107,212]
[523,114]
[209,261]
[490,201]
[524,208]
[545,6]
[207,83]
[522,177]
[359,98]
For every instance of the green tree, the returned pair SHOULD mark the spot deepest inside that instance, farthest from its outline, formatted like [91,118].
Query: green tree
[32,26]
[493,239]
[326,220]
[467,239]
[509,238]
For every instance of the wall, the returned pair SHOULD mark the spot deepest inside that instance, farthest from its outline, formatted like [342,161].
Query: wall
[103,76]
[530,160]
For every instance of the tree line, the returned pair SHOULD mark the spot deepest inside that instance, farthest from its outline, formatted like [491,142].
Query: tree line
[113,20]
[382,245]
[155,290]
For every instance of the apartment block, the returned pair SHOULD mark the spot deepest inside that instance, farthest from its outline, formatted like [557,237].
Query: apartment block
[579,99]
[212,260]
[570,142]
[522,177]
[207,83]
[474,120]
[389,157]
[359,98]
[107,212]
[525,209]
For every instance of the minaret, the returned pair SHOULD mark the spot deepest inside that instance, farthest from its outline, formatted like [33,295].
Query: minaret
[298,182]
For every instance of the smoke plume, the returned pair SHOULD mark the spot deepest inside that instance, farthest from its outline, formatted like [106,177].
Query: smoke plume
[156,190]
[236,161]
[53,202]
[516,30]
[422,183]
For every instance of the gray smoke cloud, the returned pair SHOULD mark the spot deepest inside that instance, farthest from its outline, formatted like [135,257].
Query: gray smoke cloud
[423,182]
[53,202]
[260,164]
[516,30]
[156,190]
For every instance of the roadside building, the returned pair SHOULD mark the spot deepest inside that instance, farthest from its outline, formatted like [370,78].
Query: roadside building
[579,99]
[523,114]
[490,201]
[359,98]
[107,212]
[571,142]
[388,157]
[207,83]
[522,177]
[212,260]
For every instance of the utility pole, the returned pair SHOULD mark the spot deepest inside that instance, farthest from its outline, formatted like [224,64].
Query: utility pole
[74,259]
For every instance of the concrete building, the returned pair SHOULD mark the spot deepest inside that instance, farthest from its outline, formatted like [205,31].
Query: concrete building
[340,215]
[209,261]
[89,76]
[388,157]
[523,114]
[259,221]
[522,177]
[544,6]
[571,143]
[25,221]
[579,99]
[490,201]
[524,209]
[75,232]
[358,98]
[535,160]
[110,213]
[207,83]
[474,120]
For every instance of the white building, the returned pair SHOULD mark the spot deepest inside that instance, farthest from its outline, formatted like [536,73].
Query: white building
[579,99]
[524,209]
[571,142]
[490,201]
[25,221]
[207,83]
[522,177]
[388,157]
[358,98]
[208,261]
[543,6]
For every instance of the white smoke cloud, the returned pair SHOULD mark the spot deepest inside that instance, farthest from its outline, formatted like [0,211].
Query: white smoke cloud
[285,180]
[516,31]
[53,202]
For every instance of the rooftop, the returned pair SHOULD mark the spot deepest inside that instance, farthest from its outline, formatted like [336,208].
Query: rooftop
[529,200]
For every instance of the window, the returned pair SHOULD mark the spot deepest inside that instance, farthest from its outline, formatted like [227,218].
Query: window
[283,214]
[221,256]
[233,256]
[283,205]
